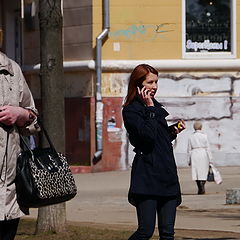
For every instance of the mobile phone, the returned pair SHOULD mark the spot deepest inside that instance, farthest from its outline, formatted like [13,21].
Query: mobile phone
[178,125]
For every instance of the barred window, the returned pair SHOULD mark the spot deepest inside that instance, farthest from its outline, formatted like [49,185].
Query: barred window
[209,29]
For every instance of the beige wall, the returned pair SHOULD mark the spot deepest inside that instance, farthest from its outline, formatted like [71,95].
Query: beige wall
[141,29]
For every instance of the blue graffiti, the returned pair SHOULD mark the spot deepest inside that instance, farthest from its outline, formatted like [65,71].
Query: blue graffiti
[133,30]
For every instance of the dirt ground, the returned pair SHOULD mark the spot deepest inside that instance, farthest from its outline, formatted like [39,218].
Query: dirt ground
[102,202]
[93,231]
[179,233]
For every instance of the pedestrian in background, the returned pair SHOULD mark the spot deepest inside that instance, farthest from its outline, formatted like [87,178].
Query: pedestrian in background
[199,156]
[17,114]
[154,187]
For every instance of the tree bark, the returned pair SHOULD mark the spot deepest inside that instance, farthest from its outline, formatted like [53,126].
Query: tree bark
[52,218]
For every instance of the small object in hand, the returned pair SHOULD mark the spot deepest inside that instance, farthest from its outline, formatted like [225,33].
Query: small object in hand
[210,177]
[179,125]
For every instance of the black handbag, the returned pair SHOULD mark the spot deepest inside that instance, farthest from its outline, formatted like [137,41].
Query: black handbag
[210,177]
[43,176]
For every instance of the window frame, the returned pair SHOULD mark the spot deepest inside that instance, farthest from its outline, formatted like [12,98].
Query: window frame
[209,55]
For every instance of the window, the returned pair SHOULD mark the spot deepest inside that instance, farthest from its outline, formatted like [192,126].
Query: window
[209,29]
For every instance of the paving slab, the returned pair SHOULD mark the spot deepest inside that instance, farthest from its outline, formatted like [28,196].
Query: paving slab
[102,200]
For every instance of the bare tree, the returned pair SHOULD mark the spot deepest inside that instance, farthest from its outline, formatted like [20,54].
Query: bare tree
[52,218]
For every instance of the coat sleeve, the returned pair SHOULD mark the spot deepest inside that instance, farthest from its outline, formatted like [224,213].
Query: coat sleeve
[172,132]
[143,126]
[26,101]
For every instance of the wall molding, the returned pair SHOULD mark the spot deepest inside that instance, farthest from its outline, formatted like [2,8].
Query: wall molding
[160,65]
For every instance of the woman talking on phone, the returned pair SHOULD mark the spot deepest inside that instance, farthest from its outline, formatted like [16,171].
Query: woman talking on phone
[154,186]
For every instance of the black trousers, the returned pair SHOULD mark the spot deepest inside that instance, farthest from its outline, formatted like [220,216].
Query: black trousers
[147,209]
[8,229]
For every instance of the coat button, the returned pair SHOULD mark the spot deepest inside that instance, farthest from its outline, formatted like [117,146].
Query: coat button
[152,115]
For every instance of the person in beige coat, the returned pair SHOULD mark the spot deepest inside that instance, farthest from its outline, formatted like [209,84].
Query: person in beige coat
[17,114]
[199,156]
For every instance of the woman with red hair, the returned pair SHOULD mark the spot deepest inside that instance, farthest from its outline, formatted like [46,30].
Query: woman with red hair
[154,186]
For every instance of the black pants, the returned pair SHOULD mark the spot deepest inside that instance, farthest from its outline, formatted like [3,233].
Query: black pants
[8,229]
[147,208]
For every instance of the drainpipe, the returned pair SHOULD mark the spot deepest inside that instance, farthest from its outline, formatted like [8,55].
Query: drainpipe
[98,67]
[22,35]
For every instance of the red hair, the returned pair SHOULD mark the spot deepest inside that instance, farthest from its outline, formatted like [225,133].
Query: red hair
[137,77]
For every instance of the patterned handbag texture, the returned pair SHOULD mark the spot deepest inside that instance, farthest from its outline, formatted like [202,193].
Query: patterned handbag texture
[55,180]
[43,177]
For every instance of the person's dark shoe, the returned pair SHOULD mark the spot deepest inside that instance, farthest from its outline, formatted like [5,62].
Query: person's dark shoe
[202,188]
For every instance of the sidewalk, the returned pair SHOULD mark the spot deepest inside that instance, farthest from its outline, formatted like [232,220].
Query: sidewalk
[102,200]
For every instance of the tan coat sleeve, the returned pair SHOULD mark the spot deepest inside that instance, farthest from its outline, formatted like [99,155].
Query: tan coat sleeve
[26,101]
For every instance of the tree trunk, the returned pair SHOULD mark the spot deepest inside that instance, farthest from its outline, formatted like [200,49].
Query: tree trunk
[52,218]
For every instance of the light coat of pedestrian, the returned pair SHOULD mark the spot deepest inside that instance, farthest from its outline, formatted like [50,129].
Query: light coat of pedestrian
[199,155]
[14,92]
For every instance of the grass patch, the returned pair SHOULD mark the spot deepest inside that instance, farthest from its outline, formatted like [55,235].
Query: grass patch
[85,231]
[27,228]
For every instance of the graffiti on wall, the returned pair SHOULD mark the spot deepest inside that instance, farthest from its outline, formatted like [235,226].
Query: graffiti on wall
[144,31]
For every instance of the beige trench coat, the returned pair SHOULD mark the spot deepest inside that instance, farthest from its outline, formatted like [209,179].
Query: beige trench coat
[15,92]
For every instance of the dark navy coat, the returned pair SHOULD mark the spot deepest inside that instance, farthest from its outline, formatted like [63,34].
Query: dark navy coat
[154,169]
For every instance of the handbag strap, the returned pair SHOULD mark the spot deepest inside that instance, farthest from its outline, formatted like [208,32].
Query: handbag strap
[44,132]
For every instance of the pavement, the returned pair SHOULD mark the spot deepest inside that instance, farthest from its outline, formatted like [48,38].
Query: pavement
[102,201]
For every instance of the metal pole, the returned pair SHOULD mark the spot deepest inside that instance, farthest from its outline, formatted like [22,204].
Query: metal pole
[22,34]
[99,105]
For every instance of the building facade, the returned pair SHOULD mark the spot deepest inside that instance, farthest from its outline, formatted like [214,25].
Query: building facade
[194,44]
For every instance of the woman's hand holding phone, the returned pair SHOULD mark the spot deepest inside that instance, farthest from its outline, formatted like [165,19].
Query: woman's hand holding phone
[145,95]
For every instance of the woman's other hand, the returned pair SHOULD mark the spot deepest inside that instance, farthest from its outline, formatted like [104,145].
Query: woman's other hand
[145,95]
[180,126]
